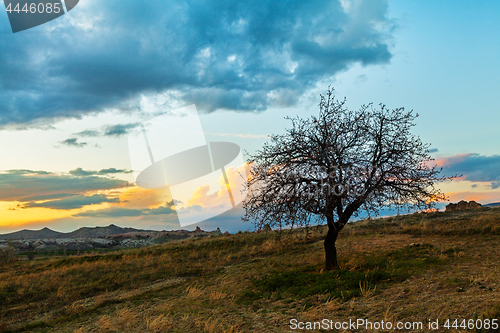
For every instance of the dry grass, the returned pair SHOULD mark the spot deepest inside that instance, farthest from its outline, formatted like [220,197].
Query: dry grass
[366,290]
[193,292]
[204,285]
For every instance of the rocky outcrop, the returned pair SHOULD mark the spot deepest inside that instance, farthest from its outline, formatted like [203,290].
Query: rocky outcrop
[462,205]
[67,244]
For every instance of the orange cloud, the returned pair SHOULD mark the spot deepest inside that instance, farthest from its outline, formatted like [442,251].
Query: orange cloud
[442,161]
[235,178]
[201,198]
[481,197]
[137,197]
[12,215]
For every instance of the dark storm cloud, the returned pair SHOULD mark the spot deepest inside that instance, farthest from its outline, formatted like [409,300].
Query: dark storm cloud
[473,167]
[23,184]
[73,202]
[239,55]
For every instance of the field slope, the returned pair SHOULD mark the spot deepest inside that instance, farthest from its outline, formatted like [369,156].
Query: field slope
[408,268]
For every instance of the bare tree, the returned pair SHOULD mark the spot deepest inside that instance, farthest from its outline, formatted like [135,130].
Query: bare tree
[336,165]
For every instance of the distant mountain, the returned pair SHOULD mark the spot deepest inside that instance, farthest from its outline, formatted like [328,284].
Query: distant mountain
[84,232]
[494,204]
[33,234]
[97,232]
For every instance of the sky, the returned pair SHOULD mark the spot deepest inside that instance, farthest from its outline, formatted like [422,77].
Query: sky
[74,89]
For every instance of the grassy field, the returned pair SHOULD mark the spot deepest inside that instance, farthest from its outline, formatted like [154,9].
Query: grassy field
[402,269]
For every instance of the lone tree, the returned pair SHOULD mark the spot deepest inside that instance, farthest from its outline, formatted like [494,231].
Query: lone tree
[336,165]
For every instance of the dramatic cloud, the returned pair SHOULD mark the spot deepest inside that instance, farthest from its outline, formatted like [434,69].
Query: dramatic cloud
[481,197]
[119,130]
[24,185]
[112,171]
[238,55]
[73,202]
[46,197]
[473,167]
[219,197]
[114,212]
[88,133]
[109,130]
[79,172]
[73,142]
[82,173]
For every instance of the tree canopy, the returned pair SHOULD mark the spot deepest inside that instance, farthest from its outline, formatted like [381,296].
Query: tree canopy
[338,164]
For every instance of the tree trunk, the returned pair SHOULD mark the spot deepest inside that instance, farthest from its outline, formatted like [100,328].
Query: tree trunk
[330,249]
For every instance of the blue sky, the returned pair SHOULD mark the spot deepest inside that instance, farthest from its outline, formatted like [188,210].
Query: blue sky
[72,89]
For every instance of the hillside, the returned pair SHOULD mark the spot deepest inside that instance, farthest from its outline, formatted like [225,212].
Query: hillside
[410,268]
[84,232]
[33,234]
[97,232]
